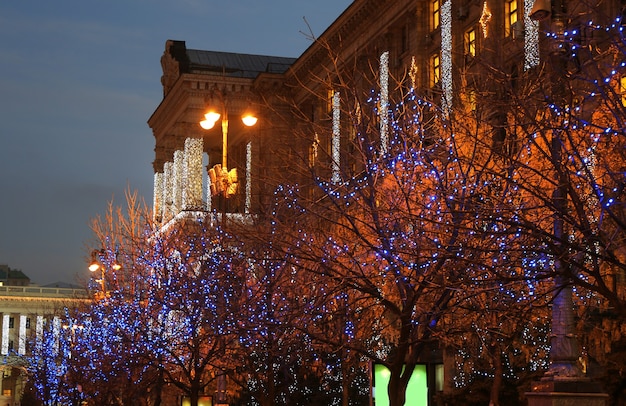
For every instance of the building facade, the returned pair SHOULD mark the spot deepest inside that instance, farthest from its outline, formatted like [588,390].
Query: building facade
[445,51]
[25,311]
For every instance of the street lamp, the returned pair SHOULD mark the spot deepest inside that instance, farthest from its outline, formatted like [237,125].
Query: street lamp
[224,180]
[98,262]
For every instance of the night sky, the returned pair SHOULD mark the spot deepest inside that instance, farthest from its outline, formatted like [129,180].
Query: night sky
[78,81]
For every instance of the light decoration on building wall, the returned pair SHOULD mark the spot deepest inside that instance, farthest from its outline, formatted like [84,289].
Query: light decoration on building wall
[413,71]
[4,350]
[21,344]
[39,328]
[384,102]
[177,181]
[157,199]
[167,192]
[485,17]
[208,195]
[248,177]
[192,174]
[531,37]
[56,334]
[336,138]
[446,55]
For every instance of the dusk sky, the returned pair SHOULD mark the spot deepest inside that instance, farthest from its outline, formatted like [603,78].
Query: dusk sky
[78,81]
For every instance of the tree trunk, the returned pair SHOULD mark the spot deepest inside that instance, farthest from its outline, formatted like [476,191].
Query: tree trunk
[397,388]
[496,356]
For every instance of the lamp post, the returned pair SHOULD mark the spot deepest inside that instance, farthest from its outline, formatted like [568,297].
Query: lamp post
[223,180]
[99,263]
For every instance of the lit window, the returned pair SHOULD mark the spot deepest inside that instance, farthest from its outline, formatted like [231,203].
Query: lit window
[511,15]
[622,89]
[470,42]
[435,70]
[435,9]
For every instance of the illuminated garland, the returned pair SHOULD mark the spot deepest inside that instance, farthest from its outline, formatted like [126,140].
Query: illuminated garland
[192,175]
[248,177]
[531,37]
[157,200]
[167,192]
[446,55]
[384,102]
[485,17]
[336,140]
[178,183]
[4,349]
[21,344]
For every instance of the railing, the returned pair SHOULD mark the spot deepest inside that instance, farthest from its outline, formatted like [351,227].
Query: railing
[38,291]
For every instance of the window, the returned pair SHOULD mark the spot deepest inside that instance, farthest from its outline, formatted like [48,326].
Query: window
[11,322]
[435,10]
[470,42]
[28,322]
[622,89]
[511,15]
[330,96]
[435,69]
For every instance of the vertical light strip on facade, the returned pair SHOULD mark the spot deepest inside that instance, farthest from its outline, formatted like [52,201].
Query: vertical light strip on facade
[4,348]
[384,102]
[177,181]
[157,202]
[21,344]
[531,37]
[336,141]
[446,55]
[192,174]
[56,333]
[248,177]
[39,329]
[167,191]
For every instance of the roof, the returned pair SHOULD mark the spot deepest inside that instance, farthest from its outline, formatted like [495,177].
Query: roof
[237,65]
[7,273]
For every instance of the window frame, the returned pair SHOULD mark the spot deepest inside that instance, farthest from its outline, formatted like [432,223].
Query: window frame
[511,16]
[434,71]
[435,14]
[470,44]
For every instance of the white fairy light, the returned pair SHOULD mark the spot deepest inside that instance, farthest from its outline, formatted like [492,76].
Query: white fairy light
[167,192]
[177,181]
[336,140]
[5,334]
[157,200]
[248,177]
[384,102]
[192,174]
[531,37]
[446,54]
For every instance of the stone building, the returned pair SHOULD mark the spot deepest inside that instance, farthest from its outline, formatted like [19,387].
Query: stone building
[25,310]
[443,50]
